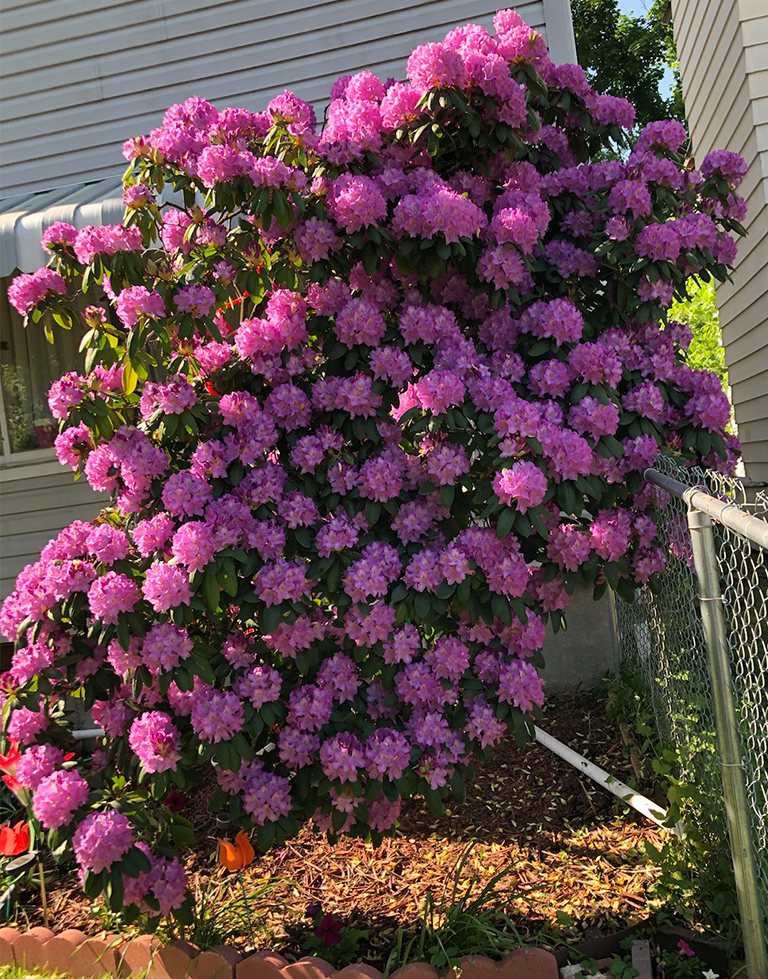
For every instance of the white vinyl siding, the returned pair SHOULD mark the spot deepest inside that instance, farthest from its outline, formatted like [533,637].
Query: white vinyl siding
[723,51]
[37,501]
[79,77]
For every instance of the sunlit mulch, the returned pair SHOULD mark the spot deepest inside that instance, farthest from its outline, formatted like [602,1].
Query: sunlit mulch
[575,858]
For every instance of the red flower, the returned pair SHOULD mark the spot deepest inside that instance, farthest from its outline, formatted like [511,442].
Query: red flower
[9,760]
[12,782]
[14,839]
[329,930]
[238,299]
[685,948]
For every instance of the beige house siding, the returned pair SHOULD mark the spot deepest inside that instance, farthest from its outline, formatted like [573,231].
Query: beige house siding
[80,76]
[723,51]
[37,501]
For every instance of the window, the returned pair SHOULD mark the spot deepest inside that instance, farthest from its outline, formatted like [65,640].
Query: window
[28,365]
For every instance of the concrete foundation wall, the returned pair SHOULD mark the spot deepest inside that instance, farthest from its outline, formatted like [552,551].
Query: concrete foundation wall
[576,658]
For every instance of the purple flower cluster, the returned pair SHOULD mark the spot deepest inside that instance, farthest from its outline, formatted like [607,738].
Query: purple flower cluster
[367,420]
[523,485]
[101,840]
[138,301]
[109,239]
[155,740]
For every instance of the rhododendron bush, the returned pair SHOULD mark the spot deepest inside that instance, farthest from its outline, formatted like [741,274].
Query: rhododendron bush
[372,403]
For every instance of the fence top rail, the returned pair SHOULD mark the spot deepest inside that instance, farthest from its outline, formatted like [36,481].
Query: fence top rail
[725,512]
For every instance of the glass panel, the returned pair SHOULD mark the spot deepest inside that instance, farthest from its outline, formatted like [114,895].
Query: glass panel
[28,365]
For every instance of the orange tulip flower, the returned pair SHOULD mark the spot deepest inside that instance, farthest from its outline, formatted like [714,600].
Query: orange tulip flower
[237,855]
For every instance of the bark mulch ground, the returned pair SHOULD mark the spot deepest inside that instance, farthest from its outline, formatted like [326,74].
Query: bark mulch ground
[575,856]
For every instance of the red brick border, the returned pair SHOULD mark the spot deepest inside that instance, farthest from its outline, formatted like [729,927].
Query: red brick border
[75,954]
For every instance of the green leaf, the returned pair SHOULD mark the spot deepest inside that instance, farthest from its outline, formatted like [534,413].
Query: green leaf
[116,889]
[211,591]
[506,522]
[270,618]
[338,819]
[422,604]
[370,258]
[265,836]
[540,347]
[523,525]
[228,578]
[130,378]
[227,757]
[398,593]
[613,444]
[434,802]
[458,786]
[538,523]
[569,499]
[241,746]
[135,863]
[500,608]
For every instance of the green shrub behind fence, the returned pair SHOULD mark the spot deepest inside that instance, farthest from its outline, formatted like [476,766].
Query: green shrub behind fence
[662,632]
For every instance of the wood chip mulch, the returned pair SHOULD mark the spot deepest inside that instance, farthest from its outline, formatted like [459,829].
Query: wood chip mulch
[575,854]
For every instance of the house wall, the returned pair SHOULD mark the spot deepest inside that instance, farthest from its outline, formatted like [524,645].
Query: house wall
[38,500]
[81,76]
[723,52]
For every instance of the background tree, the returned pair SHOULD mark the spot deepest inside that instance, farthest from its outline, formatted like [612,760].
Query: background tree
[627,55]
[699,311]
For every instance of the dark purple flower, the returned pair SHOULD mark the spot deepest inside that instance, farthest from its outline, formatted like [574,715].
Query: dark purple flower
[175,801]
[329,930]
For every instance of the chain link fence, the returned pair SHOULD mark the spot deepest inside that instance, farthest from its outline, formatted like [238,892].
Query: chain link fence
[663,632]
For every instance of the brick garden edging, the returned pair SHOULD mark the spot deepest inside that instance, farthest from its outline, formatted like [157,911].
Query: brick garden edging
[73,953]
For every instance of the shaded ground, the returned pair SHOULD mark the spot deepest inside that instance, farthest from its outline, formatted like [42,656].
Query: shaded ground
[575,859]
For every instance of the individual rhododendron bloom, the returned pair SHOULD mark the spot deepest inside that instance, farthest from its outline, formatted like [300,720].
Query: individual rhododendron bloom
[105,240]
[57,796]
[155,739]
[37,763]
[101,840]
[371,404]
[59,233]
[524,484]
[138,301]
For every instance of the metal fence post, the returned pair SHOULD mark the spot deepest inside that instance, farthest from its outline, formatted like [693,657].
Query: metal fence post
[734,789]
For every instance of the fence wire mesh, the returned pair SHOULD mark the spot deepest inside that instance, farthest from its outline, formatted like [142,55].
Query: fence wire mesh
[663,634]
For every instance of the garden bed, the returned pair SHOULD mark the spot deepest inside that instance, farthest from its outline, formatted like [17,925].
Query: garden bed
[576,864]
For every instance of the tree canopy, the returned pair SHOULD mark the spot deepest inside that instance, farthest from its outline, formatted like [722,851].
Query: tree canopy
[627,55]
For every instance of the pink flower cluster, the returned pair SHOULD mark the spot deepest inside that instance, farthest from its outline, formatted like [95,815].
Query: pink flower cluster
[27,291]
[393,392]
[108,239]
